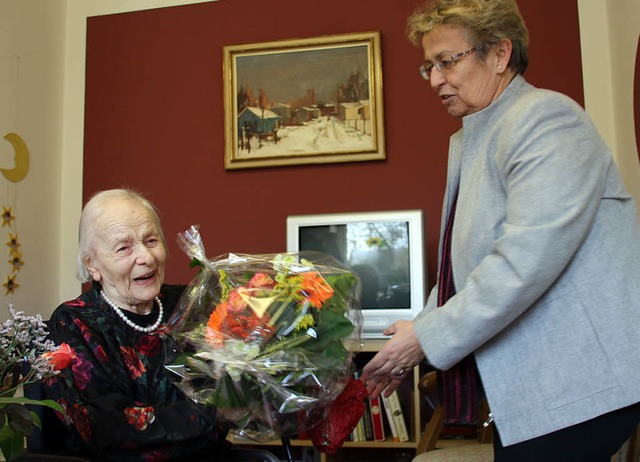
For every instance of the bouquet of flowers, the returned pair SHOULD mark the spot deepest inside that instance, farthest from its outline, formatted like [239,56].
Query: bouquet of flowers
[26,357]
[268,339]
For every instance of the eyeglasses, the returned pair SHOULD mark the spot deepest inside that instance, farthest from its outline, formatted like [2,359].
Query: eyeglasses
[444,65]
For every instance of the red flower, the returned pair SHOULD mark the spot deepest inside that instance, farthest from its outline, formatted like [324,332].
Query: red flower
[140,417]
[65,416]
[86,333]
[66,356]
[77,302]
[261,280]
[81,371]
[149,345]
[133,363]
[81,421]
[223,323]
[241,325]
[61,358]
[155,455]
[236,302]
[100,355]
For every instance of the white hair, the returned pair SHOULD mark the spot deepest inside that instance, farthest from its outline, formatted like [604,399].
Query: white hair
[92,210]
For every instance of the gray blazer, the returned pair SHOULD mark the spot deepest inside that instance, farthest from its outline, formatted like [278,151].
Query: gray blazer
[546,262]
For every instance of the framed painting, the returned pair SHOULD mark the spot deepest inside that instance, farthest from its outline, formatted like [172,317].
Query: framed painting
[304,101]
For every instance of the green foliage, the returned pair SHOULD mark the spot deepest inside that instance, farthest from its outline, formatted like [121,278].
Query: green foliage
[17,422]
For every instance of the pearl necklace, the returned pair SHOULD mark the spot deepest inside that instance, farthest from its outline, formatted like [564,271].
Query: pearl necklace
[129,322]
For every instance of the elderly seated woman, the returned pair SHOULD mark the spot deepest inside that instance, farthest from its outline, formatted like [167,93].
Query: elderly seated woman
[119,402]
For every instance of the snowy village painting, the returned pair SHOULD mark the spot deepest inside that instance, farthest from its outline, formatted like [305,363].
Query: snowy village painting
[304,101]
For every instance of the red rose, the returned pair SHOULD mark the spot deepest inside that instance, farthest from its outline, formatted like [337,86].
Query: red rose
[61,358]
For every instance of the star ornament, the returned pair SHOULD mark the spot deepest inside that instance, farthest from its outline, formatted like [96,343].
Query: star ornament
[13,243]
[7,216]
[10,285]
[16,262]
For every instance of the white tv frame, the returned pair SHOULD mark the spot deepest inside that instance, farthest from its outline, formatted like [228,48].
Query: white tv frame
[376,320]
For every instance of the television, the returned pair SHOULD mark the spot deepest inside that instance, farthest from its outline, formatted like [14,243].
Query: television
[385,249]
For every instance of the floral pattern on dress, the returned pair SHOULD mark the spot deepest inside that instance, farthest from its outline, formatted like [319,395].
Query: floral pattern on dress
[120,403]
[140,417]
[133,363]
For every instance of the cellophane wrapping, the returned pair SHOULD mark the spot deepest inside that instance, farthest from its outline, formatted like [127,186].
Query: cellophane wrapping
[267,339]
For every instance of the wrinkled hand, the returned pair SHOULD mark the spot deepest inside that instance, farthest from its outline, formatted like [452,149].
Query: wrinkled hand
[391,365]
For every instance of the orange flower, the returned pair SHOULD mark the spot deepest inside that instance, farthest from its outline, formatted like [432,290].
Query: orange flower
[61,358]
[214,324]
[217,316]
[261,280]
[315,288]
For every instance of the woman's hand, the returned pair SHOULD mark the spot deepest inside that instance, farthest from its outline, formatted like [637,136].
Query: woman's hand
[390,366]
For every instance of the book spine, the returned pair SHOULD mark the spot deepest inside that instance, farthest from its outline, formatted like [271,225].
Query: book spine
[390,419]
[398,416]
[376,419]
[368,425]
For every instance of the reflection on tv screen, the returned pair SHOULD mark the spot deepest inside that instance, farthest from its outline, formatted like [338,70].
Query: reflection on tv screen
[377,251]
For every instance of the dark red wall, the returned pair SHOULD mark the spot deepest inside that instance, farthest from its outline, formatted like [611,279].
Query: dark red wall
[154,117]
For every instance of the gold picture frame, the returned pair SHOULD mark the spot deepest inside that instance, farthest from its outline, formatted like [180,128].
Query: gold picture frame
[304,101]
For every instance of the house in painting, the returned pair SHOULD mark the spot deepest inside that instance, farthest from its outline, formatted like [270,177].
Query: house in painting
[256,120]
[350,111]
[283,111]
[366,109]
[356,115]
[306,114]
[327,110]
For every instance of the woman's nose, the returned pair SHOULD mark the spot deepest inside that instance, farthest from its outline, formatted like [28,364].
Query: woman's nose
[437,78]
[143,254]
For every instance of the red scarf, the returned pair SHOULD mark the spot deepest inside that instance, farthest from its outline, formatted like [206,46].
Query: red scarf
[458,385]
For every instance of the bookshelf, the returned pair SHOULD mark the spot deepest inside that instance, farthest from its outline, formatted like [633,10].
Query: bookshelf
[412,405]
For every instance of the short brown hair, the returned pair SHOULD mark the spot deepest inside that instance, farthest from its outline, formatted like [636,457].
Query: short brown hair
[488,21]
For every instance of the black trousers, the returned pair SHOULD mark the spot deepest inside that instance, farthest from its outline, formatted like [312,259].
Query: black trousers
[595,440]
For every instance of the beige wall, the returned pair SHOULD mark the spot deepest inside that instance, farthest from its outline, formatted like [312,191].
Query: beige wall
[31,96]
[44,102]
[609,34]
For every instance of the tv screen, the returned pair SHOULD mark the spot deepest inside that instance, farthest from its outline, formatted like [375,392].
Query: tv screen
[385,249]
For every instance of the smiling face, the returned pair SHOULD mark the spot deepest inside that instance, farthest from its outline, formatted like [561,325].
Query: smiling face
[474,82]
[128,254]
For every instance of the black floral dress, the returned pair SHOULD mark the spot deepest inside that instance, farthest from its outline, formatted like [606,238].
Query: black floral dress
[120,403]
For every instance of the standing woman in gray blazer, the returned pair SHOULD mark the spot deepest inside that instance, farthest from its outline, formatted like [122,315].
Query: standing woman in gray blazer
[539,277]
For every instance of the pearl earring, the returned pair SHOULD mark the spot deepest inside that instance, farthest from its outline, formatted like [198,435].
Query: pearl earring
[499,68]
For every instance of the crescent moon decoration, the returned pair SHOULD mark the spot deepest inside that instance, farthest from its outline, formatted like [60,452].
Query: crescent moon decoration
[21,158]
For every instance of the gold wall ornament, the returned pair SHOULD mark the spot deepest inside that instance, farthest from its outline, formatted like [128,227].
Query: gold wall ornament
[7,216]
[11,285]
[21,158]
[13,243]
[16,262]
